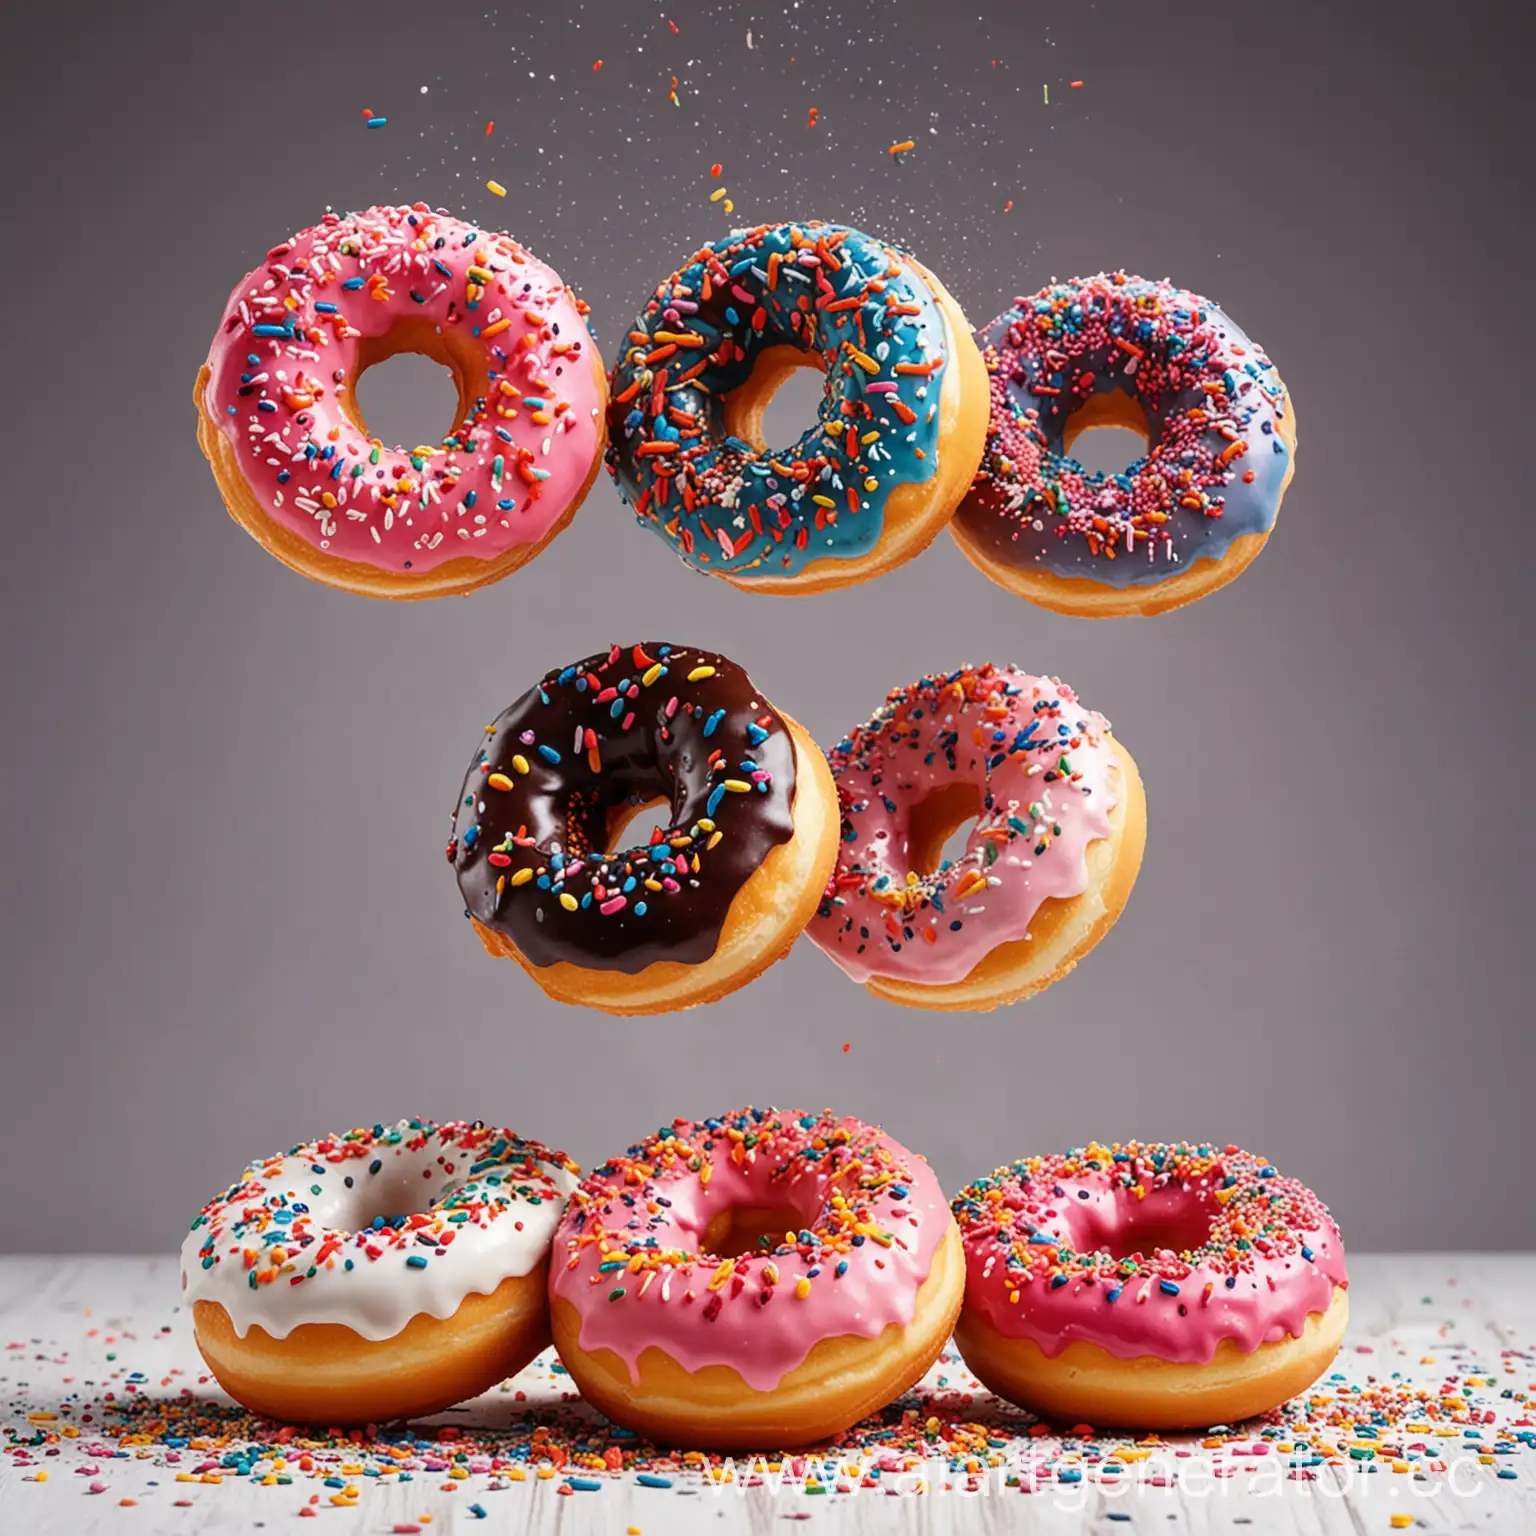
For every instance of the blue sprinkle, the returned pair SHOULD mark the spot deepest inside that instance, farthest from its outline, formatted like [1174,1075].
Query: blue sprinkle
[417,1261]
[1167,1287]
[548,753]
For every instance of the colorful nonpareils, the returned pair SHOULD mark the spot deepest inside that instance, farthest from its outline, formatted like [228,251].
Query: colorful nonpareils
[1182,520]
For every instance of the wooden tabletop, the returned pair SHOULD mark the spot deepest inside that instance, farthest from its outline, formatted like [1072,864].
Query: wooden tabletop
[108,1422]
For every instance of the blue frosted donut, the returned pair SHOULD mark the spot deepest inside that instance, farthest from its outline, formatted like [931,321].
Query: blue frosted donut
[1182,520]
[893,448]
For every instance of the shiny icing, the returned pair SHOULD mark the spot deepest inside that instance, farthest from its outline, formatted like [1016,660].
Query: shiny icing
[872,320]
[869,1218]
[291,341]
[373,1227]
[628,726]
[1046,779]
[1216,465]
[1147,1249]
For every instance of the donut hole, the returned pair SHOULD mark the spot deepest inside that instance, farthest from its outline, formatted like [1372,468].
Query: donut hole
[786,389]
[1125,1226]
[407,396]
[940,827]
[392,1193]
[636,825]
[1108,433]
[745,1230]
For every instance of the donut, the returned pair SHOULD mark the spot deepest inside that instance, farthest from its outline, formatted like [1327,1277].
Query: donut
[1061,821]
[1149,1286]
[1182,520]
[895,445]
[754,1281]
[711,899]
[380,1273]
[279,422]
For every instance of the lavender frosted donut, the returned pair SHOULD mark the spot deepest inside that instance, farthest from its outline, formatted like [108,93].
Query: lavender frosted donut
[1182,520]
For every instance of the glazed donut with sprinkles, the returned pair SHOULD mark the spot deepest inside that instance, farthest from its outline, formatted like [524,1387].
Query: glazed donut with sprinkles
[278,417]
[1160,1287]
[377,1274]
[712,898]
[760,1279]
[1048,865]
[1181,521]
[896,442]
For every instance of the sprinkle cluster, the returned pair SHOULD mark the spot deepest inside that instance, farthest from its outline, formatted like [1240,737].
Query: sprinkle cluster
[1253,1214]
[871,321]
[266,1226]
[639,723]
[141,1431]
[1212,400]
[859,1185]
[304,320]
[970,724]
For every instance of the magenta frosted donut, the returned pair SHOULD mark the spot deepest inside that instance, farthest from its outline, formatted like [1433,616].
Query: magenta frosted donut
[279,422]
[1059,829]
[762,1277]
[1151,1285]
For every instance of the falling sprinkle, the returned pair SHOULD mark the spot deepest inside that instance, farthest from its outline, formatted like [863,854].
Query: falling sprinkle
[847,1046]
[715,169]
[749,37]
[672,94]
[597,64]
[1008,206]
[497,188]
[1076,85]
[810,122]
[1045,91]
[490,127]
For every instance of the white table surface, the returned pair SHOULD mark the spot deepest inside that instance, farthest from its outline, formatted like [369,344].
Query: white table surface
[74,1330]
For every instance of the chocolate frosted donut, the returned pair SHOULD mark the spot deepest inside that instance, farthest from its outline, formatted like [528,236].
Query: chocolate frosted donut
[559,774]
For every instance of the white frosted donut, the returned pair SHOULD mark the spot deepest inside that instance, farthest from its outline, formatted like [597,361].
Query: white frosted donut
[377,1273]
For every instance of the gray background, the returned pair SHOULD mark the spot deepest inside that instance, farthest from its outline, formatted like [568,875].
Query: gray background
[227,921]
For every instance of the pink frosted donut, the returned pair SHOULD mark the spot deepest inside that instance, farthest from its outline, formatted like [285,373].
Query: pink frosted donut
[279,421]
[1156,1286]
[1060,825]
[764,1278]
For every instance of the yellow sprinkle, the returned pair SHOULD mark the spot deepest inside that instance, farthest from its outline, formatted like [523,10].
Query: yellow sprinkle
[717,194]
[499,781]
[522,877]
[864,360]
[700,673]
[738,786]
[823,501]
[520,762]
[871,484]
[516,1475]
[722,1273]
[903,147]
[730,207]
[496,327]
[651,673]
[714,837]
[42,1475]
[41,1418]
[705,824]
[497,188]
[568,901]
[802,1288]
[1401,1520]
